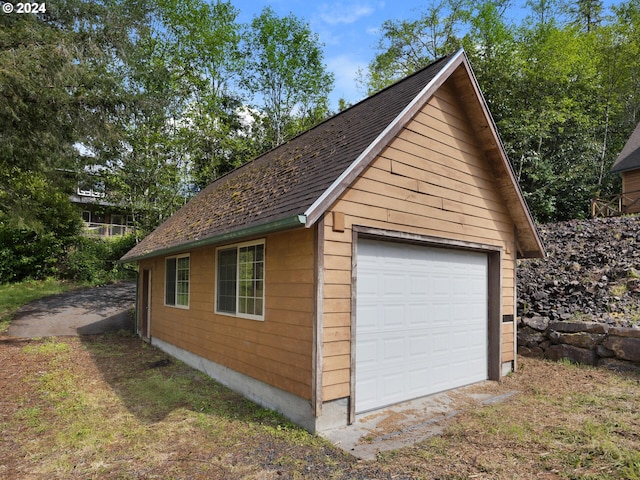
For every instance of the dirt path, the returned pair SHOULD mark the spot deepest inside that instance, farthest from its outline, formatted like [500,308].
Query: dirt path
[87,311]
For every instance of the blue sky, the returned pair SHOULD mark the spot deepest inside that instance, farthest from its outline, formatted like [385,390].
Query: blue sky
[349,30]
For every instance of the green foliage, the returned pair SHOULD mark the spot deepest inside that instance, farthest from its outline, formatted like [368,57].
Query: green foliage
[284,67]
[95,260]
[27,254]
[562,86]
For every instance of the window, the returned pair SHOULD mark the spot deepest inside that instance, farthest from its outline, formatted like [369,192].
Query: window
[176,285]
[240,280]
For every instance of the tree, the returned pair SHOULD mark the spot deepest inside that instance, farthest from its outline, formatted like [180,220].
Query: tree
[58,91]
[587,13]
[284,72]
[178,134]
[408,45]
[563,89]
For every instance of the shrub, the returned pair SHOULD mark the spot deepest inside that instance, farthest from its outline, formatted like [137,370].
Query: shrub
[95,260]
[27,254]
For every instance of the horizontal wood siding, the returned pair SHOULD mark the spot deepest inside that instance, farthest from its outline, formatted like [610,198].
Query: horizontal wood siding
[431,180]
[278,350]
[508,346]
[631,191]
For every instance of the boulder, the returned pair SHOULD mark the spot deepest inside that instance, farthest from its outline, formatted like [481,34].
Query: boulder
[528,337]
[582,339]
[537,323]
[625,332]
[574,354]
[574,327]
[626,348]
[604,352]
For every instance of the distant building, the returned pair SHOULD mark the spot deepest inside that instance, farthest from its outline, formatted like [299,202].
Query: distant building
[101,218]
[628,165]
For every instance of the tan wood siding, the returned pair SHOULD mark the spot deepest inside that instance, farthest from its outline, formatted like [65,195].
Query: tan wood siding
[508,346]
[631,191]
[278,350]
[431,180]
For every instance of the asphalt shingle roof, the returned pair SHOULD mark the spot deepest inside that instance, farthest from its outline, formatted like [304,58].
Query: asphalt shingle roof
[629,157]
[286,181]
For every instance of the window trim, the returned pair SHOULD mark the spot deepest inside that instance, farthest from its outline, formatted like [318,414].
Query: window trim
[237,247]
[176,304]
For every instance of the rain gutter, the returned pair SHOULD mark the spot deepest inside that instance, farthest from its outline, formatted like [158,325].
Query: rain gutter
[255,230]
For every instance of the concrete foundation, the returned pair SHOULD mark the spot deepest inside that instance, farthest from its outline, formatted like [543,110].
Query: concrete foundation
[296,409]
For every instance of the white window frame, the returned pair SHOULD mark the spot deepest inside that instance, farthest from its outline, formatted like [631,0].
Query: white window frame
[237,312]
[176,282]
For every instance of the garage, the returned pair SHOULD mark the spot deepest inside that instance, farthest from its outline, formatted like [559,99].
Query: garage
[421,321]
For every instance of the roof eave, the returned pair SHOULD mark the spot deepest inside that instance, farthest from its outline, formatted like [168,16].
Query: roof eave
[288,223]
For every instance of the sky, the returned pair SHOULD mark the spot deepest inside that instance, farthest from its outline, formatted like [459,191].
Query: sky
[349,31]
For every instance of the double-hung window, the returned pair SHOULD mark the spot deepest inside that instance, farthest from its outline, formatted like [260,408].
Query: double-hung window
[240,280]
[176,285]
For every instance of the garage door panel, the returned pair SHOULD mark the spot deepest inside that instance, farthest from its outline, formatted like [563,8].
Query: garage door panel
[369,323]
[392,317]
[368,354]
[425,310]
[393,349]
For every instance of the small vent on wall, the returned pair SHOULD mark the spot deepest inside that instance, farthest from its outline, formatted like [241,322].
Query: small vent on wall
[507,318]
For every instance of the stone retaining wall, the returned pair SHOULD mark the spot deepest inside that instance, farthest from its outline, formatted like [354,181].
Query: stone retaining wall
[590,343]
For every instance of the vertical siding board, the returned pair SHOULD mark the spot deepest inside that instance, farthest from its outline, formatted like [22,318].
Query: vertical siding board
[431,180]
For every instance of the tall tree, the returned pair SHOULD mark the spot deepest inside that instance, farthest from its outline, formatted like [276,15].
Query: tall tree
[58,91]
[284,71]
[408,45]
[586,13]
[562,86]
[178,130]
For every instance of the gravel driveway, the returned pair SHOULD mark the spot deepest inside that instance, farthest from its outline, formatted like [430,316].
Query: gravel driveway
[79,312]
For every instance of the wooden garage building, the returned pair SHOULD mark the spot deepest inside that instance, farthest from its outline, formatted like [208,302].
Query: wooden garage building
[628,165]
[368,261]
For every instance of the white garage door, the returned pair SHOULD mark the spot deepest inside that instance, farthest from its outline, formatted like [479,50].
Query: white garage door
[421,321]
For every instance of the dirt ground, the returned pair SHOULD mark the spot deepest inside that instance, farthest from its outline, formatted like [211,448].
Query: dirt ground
[109,406]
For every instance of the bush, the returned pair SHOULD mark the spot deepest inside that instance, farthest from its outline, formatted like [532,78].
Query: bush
[26,254]
[86,260]
[95,260]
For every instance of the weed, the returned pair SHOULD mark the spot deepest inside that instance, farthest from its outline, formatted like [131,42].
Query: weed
[618,290]
[31,416]
[49,347]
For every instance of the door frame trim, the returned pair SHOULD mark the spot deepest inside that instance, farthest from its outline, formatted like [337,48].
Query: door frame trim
[145,314]
[494,292]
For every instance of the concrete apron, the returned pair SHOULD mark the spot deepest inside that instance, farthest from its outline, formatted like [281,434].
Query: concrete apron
[411,422]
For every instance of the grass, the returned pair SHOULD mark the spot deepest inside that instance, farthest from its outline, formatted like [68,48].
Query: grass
[15,295]
[112,406]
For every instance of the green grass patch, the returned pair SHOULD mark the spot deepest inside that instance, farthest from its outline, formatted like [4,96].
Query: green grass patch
[114,407]
[15,295]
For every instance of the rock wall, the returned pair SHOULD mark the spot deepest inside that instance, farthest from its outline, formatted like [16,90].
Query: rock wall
[590,343]
[582,302]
